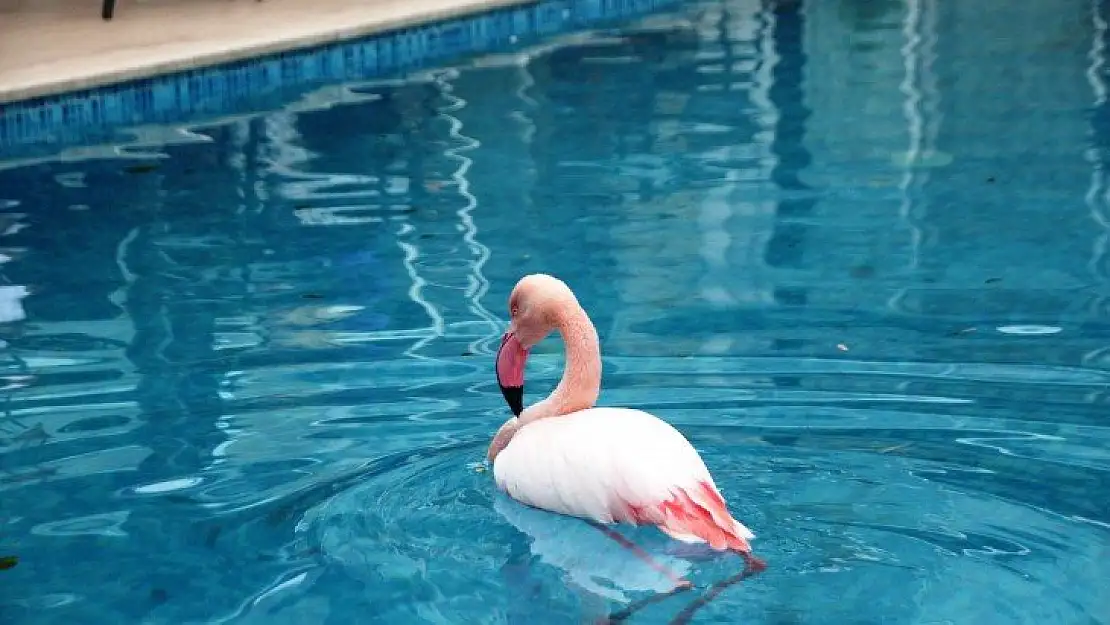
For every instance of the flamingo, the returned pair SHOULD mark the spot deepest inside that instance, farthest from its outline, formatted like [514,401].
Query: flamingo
[603,465]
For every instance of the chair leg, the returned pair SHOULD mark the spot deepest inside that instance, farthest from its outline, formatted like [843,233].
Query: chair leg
[108,9]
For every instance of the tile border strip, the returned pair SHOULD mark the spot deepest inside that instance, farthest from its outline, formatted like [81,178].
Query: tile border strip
[368,27]
[248,84]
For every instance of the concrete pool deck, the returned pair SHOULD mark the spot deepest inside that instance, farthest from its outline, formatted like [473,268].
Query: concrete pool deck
[54,46]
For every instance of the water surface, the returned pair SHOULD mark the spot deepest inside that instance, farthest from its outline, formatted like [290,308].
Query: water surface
[856,251]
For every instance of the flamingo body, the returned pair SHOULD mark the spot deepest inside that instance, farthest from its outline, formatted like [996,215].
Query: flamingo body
[618,465]
[563,454]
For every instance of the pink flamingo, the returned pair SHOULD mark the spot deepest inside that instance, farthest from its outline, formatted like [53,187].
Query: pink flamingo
[604,465]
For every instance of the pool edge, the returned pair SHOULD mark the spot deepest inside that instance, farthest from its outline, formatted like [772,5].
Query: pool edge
[379,24]
[106,112]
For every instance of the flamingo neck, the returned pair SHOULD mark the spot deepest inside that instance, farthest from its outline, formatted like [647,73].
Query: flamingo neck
[581,382]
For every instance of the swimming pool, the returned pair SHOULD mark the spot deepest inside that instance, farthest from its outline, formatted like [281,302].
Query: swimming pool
[856,252]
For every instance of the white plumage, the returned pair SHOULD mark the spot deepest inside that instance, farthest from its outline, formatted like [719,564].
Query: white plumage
[594,462]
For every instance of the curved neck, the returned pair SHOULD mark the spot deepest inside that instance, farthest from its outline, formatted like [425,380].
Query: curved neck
[581,383]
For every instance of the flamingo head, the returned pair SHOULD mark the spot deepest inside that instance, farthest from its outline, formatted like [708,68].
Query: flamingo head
[535,306]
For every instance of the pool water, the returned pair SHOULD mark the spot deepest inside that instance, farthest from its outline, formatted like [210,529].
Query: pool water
[855,251]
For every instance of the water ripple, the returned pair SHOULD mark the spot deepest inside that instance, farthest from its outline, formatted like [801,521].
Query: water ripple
[246,364]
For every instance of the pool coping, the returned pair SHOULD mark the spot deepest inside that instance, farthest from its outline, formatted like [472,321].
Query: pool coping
[258,79]
[375,22]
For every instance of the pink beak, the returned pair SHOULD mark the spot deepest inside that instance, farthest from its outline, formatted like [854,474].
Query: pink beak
[511,358]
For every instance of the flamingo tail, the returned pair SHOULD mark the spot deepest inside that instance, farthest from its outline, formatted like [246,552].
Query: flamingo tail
[697,514]
[694,515]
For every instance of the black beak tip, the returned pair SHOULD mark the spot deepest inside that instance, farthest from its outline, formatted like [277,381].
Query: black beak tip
[514,396]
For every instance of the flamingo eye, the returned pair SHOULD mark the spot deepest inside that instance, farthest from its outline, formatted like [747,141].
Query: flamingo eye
[514,310]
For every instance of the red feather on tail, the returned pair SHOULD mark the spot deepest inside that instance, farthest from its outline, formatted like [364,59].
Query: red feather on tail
[698,514]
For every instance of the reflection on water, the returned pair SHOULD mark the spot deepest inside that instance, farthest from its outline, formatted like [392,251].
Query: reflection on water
[857,251]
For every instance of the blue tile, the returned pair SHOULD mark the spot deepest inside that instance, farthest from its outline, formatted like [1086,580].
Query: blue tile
[246,85]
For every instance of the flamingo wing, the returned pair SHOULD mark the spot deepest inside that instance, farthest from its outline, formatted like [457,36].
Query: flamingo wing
[618,465]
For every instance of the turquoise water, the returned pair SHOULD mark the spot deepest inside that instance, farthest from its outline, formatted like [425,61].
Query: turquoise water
[855,251]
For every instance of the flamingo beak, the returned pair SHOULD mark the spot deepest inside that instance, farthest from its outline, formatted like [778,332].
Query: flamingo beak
[511,358]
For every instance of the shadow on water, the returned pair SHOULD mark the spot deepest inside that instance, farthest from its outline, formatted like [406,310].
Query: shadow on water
[247,363]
